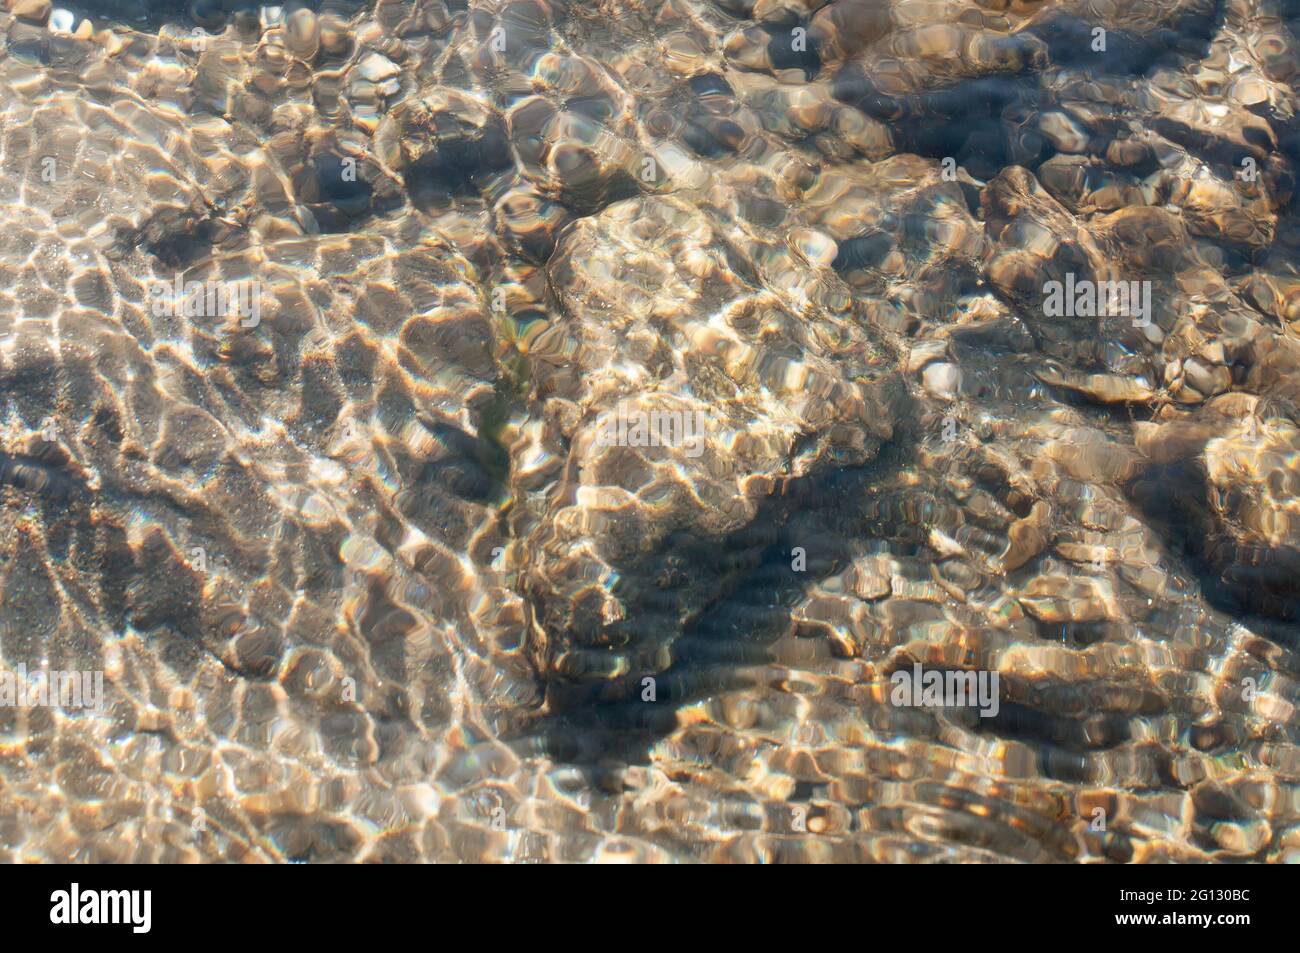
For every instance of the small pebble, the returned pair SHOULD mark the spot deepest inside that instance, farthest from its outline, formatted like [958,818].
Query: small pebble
[33,11]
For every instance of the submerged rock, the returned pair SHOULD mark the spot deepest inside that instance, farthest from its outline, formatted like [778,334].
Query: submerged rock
[663,338]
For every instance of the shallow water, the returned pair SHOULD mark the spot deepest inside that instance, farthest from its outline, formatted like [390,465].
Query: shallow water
[513,431]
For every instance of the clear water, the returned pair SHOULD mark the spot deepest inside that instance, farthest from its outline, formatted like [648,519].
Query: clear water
[700,430]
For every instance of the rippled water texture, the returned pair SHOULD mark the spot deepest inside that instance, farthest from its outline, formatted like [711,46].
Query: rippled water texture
[373,574]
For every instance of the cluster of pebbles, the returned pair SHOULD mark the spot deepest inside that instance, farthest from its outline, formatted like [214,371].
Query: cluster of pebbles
[364,575]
